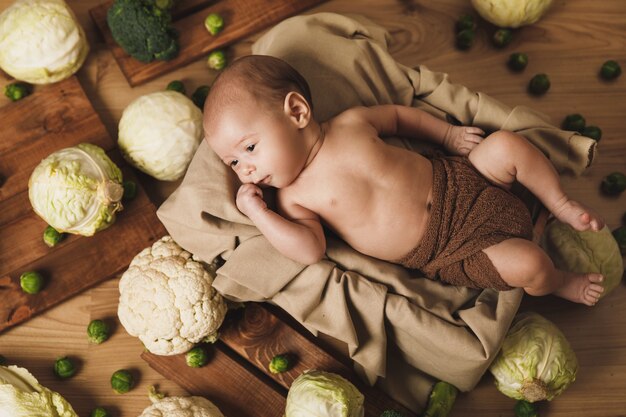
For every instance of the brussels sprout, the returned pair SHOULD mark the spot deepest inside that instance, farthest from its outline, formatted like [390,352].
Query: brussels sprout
[217,60]
[164,4]
[214,23]
[64,367]
[176,85]
[441,400]
[620,237]
[593,132]
[502,37]
[99,412]
[539,84]
[391,413]
[199,96]
[524,409]
[575,122]
[97,331]
[517,61]
[465,39]
[197,357]
[122,381]
[613,184]
[31,282]
[610,70]
[17,91]
[130,190]
[465,22]
[52,236]
[279,364]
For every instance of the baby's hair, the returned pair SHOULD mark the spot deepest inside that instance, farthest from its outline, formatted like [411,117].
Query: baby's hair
[267,79]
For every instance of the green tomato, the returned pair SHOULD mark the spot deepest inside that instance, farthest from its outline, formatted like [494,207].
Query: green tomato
[575,122]
[614,183]
[517,61]
[197,357]
[502,37]
[176,85]
[64,367]
[31,282]
[99,412]
[539,84]
[97,331]
[214,23]
[524,409]
[465,39]
[122,381]
[52,236]
[199,96]
[217,60]
[279,364]
[610,70]
[593,132]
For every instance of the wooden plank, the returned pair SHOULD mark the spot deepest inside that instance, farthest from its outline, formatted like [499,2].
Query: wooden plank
[259,334]
[242,18]
[54,117]
[225,381]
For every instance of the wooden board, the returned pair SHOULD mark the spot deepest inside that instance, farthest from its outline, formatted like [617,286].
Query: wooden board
[249,339]
[55,117]
[242,18]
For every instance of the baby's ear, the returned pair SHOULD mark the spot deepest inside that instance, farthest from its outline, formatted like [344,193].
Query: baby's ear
[298,109]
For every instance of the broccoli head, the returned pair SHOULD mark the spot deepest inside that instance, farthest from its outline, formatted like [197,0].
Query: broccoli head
[143,30]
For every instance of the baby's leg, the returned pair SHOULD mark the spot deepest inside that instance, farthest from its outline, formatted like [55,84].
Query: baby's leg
[504,157]
[522,263]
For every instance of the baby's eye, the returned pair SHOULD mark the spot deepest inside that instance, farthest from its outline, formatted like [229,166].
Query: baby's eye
[250,148]
[233,163]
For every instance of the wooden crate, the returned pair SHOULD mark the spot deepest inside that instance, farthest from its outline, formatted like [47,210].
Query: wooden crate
[242,18]
[57,116]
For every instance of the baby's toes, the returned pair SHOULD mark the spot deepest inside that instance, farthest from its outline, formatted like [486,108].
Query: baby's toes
[595,277]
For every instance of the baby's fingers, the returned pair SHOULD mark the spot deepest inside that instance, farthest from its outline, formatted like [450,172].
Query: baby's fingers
[475,130]
[473,138]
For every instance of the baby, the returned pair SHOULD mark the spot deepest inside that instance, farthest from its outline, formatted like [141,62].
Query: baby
[451,217]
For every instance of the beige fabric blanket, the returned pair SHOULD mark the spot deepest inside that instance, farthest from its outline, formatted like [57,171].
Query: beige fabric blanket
[403,331]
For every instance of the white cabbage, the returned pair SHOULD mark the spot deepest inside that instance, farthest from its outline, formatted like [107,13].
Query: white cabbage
[182,407]
[77,190]
[323,394]
[536,361]
[41,41]
[511,13]
[21,395]
[587,251]
[159,133]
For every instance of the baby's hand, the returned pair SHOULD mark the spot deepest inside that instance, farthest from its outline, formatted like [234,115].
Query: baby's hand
[250,199]
[460,140]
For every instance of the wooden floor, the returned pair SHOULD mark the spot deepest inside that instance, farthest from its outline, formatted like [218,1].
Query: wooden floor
[569,44]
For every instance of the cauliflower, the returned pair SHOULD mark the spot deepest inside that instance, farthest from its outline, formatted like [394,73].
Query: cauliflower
[166,299]
[182,407]
[511,13]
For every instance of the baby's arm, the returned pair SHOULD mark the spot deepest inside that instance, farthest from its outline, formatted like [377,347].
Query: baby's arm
[395,120]
[301,239]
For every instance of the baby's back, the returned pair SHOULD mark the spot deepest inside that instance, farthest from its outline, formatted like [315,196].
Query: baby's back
[374,195]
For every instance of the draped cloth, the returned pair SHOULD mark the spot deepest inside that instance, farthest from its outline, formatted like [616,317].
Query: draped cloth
[402,331]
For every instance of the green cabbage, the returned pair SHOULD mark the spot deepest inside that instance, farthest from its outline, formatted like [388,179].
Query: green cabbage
[22,396]
[159,133]
[511,14]
[536,361]
[323,394]
[41,41]
[587,251]
[77,190]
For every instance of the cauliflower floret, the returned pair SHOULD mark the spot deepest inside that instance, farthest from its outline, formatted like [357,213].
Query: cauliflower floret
[166,299]
[182,407]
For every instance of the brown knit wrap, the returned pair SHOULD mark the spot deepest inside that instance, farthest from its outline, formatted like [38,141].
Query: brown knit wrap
[468,214]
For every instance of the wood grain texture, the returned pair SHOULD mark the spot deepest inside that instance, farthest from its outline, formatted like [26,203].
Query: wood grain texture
[242,18]
[53,118]
[569,43]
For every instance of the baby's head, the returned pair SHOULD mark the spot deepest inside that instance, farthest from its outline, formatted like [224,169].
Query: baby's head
[258,119]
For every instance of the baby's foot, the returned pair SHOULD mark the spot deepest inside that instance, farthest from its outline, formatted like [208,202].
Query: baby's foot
[581,288]
[578,216]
